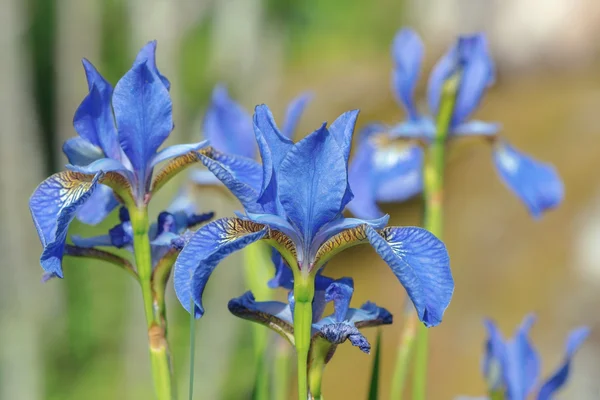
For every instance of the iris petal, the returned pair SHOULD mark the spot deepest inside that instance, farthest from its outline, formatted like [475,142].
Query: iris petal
[369,315]
[537,184]
[53,206]
[476,128]
[360,177]
[445,67]
[311,182]
[143,112]
[398,173]
[100,204]
[81,152]
[148,55]
[342,129]
[332,228]
[293,114]
[207,247]
[228,126]
[422,128]
[495,358]
[420,262]
[522,362]
[407,50]
[340,292]
[339,332]
[558,379]
[176,151]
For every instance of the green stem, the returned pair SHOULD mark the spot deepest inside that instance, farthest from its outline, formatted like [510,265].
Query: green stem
[159,350]
[281,370]
[407,339]
[304,291]
[433,192]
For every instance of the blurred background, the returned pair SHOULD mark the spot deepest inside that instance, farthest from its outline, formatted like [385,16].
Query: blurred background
[84,336]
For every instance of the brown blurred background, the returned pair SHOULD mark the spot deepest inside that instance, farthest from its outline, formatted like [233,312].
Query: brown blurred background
[83,337]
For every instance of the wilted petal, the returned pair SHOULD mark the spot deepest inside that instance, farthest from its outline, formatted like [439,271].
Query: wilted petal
[228,126]
[272,314]
[143,112]
[81,152]
[537,184]
[559,378]
[94,119]
[147,55]
[293,114]
[338,332]
[311,182]
[209,245]
[53,206]
[407,50]
[420,262]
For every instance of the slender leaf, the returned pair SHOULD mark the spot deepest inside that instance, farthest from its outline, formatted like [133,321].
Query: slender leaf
[374,386]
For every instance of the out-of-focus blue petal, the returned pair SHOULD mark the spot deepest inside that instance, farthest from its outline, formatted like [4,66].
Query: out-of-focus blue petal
[371,130]
[422,128]
[284,278]
[236,174]
[522,362]
[477,75]
[537,184]
[339,332]
[102,240]
[293,114]
[398,173]
[340,292]
[311,182]
[341,224]
[495,358]
[209,245]
[148,55]
[143,112]
[228,126]
[360,177]
[53,205]
[369,314]
[558,379]
[420,262]
[121,235]
[476,128]
[443,69]
[407,50]
[204,177]
[81,152]
[100,204]
[94,119]
[176,151]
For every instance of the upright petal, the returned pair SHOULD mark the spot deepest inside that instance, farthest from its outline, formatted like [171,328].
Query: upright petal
[407,51]
[522,362]
[559,378]
[207,247]
[53,206]
[143,113]
[537,184]
[360,177]
[494,361]
[342,129]
[312,181]
[228,126]
[398,173]
[340,292]
[148,55]
[443,69]
[293,114]
[81,152]
[420,262]
[93,119]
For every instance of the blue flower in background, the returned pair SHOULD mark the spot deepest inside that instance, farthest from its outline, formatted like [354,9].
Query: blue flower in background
[296,206]
[113,157]
[537,184]
[228,128]
[165,234]
[512,367]
[327,332]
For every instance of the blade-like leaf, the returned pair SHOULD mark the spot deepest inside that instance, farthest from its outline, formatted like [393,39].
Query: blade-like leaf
[374,385]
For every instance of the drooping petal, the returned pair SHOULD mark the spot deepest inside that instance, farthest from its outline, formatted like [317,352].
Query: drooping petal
[476,128]
[101,203]
[209,245]
[53,206]
[175,166]
[360,178]
[537,184]
[293,114]
[338,332]
[203,177]
[81,152]
[398,173]
[228,126]
[559,378]
[420,262]
[340,292]
[522,362]
[311,182]
[94,119]
[143,112]
[148,55]
[89,242]
[273,314]
[369,315]
[176,151]
[407,51]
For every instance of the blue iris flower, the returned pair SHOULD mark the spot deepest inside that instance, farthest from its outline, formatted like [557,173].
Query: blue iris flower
[228,128]
[165,234]
[394,173]
[512,367]
[327,332]
[296,205]
[120,132]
